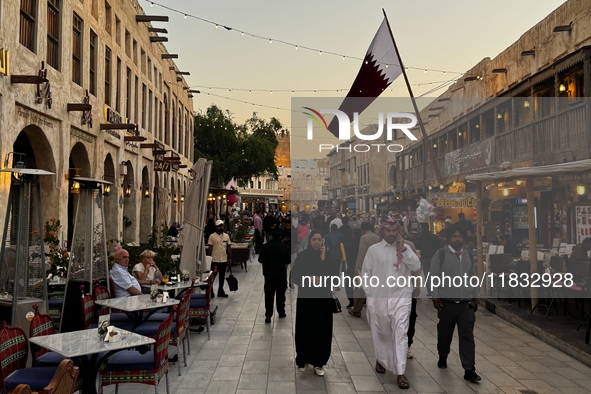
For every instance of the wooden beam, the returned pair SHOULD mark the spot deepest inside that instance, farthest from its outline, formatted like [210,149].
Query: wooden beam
[171,159]
[32,79]
[169,56]
[172,68]
[157,30]
[183,73]
[159,152]
[158,39]
[151,18]
[134,138]
[79,107]
[118,126]
[148,146]
[183,166]
[179,79]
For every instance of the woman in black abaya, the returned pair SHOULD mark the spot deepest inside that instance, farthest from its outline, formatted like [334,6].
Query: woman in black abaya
[315,305]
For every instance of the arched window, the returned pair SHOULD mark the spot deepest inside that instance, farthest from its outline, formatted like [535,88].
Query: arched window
[166,123]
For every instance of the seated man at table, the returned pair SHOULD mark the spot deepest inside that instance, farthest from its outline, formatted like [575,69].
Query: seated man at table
[125,284]
[508,246]
[581,251]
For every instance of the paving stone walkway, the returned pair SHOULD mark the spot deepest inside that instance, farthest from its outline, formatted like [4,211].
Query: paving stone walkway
[247,356]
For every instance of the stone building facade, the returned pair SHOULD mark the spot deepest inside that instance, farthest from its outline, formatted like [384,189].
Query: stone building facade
[94,49]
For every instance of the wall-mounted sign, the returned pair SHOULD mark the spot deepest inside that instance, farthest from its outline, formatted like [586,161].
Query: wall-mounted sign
[114,118]
[452,200]
[543,184]
[161,165]
[473,157]
[4,61]
[575,177]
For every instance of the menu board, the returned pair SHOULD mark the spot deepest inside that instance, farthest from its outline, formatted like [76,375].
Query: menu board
[583,222]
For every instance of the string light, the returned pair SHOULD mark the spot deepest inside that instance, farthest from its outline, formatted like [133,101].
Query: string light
[270,40]
[305,90]
[152,3]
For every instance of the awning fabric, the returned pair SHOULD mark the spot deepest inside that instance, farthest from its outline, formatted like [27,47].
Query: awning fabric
[554,169]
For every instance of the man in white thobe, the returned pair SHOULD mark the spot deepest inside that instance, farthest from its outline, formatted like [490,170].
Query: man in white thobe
[388,307]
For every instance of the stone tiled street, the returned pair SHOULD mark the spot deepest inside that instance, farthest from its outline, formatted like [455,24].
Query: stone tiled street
[247,356]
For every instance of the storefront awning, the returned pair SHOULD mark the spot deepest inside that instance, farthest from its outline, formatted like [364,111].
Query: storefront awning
[554,169]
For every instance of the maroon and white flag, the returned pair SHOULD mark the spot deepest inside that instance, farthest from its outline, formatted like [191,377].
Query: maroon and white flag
[379,69]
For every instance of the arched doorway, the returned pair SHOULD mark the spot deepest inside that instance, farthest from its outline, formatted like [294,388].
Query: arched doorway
[173,197]
[129,206]
[145,207]
[111,210]
[79,160]
[392,176]
[34,144]
[178,201]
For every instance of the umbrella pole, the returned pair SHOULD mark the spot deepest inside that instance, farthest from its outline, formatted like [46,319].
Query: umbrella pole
[533,241]
[479,229]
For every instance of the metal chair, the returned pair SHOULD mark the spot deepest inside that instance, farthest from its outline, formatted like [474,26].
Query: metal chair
[135,367]
[63,382]
[200,306]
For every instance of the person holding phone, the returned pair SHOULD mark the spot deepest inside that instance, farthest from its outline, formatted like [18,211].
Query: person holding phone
[315,304]
[389,303]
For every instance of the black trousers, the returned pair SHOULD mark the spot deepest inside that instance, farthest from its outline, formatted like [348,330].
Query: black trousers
[221,275]
[412,321]
[351,274]
[274,293]
[462,315]
[258,241]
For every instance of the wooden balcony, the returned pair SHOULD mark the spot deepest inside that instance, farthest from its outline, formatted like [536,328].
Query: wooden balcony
[544,141]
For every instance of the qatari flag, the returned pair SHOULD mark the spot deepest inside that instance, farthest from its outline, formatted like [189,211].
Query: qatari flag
[379,69]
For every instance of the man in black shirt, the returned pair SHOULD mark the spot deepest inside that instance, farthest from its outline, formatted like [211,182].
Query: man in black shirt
[269,223]
[508,246]
[428,243]
[275,259]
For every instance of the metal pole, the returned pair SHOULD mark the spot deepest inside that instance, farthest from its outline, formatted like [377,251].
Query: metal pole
[533,241]
[428,147]
[479,217]
[42,245]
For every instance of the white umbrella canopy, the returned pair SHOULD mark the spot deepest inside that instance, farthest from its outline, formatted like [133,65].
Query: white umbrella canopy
[193,253]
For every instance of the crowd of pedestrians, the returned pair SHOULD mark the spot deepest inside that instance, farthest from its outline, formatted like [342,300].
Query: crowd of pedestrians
[303,248]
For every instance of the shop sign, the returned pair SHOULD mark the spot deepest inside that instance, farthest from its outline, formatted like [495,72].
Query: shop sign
[452,200]
[4,62]
[543,184]
[575,177]
[473,157]
[161,165]
[114,118]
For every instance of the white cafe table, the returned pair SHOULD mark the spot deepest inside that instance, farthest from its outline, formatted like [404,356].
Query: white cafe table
[88,351]
[177,287]
[135,306]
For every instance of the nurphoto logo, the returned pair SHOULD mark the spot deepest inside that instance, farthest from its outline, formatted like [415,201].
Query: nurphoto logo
[392,123]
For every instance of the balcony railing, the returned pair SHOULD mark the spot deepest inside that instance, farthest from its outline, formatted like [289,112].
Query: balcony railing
[271,192]
[544,141]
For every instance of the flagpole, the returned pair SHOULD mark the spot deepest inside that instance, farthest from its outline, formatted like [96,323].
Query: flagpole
[414,103]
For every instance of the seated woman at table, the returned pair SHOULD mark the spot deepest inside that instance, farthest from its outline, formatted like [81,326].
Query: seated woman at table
[146,272]
[125,284]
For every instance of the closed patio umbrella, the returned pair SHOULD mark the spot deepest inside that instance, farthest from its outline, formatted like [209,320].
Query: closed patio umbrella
[193,253]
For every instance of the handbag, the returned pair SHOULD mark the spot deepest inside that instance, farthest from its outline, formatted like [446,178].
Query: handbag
[337,304]
[232,281]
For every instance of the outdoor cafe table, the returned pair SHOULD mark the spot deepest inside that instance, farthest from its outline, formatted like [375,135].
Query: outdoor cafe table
[136,305]
[88,351]
[177,286]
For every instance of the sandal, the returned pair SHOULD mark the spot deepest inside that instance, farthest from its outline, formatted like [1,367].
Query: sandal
[402,382]
[380,368]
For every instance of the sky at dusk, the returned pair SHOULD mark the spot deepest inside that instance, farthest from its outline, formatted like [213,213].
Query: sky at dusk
[446,35]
